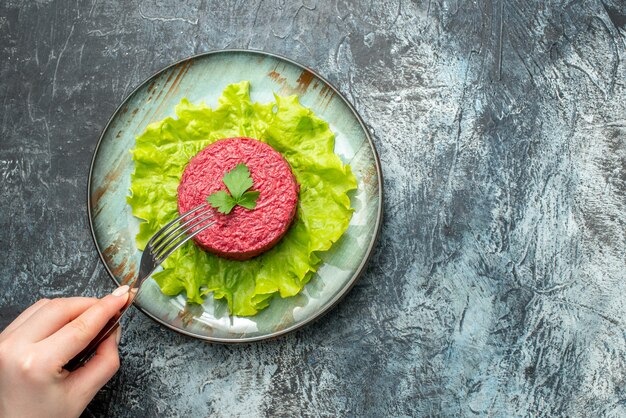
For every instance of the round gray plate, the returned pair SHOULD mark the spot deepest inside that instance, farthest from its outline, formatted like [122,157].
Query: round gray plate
[202,78]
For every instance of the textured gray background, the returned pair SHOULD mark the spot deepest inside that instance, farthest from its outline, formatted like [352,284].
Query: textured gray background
[498,285]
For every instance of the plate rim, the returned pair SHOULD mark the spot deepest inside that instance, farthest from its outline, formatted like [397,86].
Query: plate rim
[339,296]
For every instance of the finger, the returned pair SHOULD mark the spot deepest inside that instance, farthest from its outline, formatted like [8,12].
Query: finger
[73,337]
[23,317]
[87,380]
[52,316]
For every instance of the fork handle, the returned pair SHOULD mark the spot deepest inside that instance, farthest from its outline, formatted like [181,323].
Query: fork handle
[81,358]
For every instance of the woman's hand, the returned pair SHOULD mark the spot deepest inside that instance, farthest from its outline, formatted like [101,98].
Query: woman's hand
[38,343]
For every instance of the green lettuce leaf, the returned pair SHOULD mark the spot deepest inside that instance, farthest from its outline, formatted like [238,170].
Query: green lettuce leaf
[305,141]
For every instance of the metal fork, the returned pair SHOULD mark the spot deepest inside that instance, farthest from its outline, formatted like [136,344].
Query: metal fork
[167,240]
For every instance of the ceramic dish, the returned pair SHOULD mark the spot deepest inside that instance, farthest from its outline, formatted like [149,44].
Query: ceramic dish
[202,78]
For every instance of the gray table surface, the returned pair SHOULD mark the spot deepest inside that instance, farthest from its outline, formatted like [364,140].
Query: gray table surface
[498,285]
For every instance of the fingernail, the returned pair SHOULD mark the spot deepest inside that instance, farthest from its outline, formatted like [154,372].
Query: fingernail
[118,335]
[120,291]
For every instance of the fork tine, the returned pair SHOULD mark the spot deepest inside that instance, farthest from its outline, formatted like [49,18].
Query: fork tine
[169,224]
[165,234]
[186,238]
[180,231]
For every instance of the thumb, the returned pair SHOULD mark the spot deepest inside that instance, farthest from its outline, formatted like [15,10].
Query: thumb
[85,382]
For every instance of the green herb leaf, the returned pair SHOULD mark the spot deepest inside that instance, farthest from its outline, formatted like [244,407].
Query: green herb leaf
[248,200]
[222,201]
[237,181]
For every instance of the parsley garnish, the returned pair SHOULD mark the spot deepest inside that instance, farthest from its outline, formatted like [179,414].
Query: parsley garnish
[237,181]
